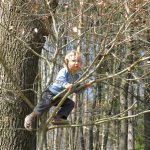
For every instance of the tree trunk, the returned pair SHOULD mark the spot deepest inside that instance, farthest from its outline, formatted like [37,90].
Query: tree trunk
[147,119]
[147,105]
[19,70]
[123,128]
[130,121]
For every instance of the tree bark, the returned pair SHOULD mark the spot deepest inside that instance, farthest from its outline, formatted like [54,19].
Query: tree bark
[147,105]
[19,69]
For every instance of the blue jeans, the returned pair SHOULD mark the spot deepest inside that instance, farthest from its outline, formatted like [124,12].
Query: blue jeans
[46,102]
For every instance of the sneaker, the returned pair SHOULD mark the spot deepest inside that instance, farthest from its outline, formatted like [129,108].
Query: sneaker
[59,121]
[28,123]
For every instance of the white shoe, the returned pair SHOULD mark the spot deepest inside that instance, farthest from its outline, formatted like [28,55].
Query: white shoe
[28,122]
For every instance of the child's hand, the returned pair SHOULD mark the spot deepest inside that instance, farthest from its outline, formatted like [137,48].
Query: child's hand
[68,86]
[89,84]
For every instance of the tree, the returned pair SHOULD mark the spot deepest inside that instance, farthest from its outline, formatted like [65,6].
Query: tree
[146,99]
[22,38]
[115,48]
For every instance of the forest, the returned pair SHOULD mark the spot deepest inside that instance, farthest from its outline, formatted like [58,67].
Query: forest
[113,37]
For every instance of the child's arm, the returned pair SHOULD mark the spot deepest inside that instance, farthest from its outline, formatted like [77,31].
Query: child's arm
[82,87]
[68,86]
[79,88]
[62,78]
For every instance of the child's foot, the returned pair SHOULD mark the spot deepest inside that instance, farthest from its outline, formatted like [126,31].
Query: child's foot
[28,122]
[59,121]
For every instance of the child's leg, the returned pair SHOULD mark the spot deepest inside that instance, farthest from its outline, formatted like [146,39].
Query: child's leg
[63,113]
[40,108]
[66,108]
[45,103]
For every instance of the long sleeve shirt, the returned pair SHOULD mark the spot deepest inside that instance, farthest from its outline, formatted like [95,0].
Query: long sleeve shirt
[62,79]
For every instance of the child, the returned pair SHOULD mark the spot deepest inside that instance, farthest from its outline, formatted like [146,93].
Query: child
[64,80]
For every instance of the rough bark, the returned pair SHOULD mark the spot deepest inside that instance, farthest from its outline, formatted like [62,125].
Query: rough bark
[147,105]
[19,69]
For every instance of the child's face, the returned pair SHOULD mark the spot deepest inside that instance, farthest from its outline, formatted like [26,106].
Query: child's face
[74,63]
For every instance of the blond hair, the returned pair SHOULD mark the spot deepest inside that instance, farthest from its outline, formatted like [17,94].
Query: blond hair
[71,54]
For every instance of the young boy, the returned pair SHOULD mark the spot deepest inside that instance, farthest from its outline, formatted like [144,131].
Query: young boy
[64,80]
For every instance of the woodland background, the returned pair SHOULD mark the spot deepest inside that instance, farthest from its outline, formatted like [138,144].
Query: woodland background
[114,38]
